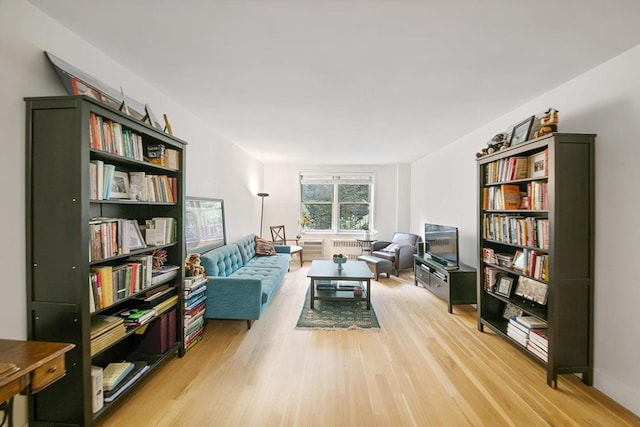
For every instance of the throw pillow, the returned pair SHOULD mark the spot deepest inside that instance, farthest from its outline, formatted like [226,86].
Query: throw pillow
[391,248]
[264,247]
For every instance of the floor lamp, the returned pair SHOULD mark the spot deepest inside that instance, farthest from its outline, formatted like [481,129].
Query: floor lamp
[263,195]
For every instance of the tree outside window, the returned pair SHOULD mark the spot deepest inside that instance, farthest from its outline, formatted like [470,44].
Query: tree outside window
[337,203]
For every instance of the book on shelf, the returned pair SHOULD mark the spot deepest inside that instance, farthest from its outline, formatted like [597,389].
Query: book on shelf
[192,282]
[510,196]
[173,158]
[164,274]
[514,324]
[539,338]
[160,335]
[146,263]
[105,330]
[101,323]
[517,336]
[137,316]
[113,373]
[138,186]
[103,285]
[139,368]
[188,294]
[194,311]
[531,322]
[533,348]
[348,285]
[194,341]
[195,302]
[167,304]
[192,320]
[97,395]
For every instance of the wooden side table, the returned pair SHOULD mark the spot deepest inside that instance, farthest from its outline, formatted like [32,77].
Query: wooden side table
[28,367]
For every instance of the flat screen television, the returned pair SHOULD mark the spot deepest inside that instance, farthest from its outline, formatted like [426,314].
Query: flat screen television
[204,227]
[441,244]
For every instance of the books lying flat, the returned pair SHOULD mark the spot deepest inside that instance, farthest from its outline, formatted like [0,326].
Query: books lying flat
[114,373]
[531,322]
[102,323]
[166,273]
[335,285]
[138,369]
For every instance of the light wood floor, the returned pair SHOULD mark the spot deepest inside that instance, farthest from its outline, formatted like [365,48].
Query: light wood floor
[424,367]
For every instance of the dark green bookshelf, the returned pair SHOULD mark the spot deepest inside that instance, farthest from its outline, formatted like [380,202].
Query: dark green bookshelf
[58,209]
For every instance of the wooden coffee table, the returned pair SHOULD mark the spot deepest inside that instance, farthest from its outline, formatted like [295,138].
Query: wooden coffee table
[342,282]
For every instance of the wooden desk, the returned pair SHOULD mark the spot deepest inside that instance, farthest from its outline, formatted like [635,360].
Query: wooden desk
[38,364]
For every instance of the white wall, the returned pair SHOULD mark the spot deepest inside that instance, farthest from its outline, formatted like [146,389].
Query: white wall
[391,193]
[605,101]
[217,168]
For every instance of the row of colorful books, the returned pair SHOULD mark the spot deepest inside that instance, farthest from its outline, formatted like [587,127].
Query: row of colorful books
[108,284]
[194,308]
[108,183]
[517,167]
[516,230]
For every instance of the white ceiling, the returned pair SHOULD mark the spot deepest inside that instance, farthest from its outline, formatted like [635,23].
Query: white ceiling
[352,82]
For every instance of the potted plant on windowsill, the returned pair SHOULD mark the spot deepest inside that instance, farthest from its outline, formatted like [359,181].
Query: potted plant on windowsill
[305,223]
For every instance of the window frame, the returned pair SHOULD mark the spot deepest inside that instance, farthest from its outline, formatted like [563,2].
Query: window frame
[335,179]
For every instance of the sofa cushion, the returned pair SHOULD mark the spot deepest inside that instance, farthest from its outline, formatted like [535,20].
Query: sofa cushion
[264,247]
[269,278]
[391,248]
[222,261]
[247,246]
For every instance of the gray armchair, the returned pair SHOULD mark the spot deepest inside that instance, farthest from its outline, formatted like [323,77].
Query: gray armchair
[399,250]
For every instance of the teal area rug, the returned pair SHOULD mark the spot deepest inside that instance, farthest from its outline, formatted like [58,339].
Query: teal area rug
[335,315]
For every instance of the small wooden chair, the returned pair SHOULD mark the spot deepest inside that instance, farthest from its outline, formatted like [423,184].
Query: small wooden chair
[279,237]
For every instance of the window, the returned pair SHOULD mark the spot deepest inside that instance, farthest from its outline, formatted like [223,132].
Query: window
[336,203]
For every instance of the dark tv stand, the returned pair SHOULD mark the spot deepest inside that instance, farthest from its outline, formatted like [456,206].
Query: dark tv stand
[455,285]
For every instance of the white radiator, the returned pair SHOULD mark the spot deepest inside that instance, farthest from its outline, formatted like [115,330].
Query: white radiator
[349,247]
[313,249]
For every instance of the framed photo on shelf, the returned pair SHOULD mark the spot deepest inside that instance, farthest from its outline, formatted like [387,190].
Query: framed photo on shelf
[521,131]
[519,261]
[538,165]
[504,286]
[135,236]
[120,185]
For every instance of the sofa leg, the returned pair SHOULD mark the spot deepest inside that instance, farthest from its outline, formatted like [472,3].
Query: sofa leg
[249,322]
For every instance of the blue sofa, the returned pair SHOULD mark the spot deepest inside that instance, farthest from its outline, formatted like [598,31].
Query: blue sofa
[241,283]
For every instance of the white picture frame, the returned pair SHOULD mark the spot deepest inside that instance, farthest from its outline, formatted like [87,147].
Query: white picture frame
[135,236]
[538,165]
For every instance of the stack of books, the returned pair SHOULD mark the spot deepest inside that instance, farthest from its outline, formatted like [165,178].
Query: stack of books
[105,331]
[194,306]
[132,375]
[520,327]
[326,285]
[539,343]
[137,316]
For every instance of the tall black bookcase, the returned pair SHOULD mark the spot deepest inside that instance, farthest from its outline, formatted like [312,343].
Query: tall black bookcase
[544,214]
[59,205]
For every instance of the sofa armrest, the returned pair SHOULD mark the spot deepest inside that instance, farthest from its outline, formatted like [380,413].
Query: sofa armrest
[233,298]
[379,244]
